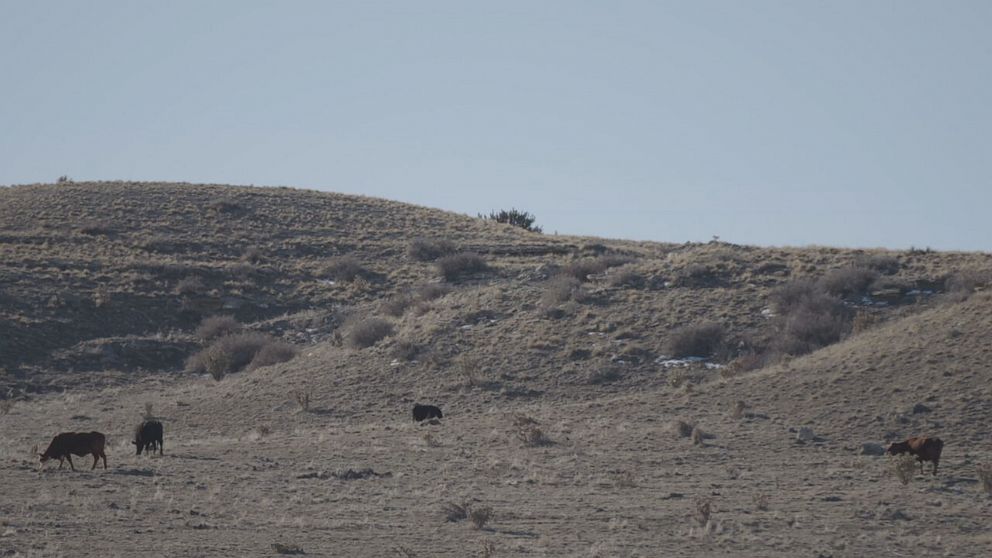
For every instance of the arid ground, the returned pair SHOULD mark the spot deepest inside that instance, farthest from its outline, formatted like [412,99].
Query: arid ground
[601,397]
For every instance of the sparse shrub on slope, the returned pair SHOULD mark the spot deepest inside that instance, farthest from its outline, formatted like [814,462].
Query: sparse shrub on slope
[457,266]
[368,332]
[700,340]
[217,326]
[562,289]
[848,282]
[513,217]
[808,317]
[233,353]
[344,268]
[430,249]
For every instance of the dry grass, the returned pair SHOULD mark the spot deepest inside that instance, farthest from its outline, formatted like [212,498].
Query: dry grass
[455,512]
[345,268]
[702,511]
[233,353]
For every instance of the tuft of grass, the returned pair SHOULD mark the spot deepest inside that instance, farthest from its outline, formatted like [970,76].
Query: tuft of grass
[457,266]
[148,410]
[682,429]
[984,471]
[368,332]
[738,409]
[455,512]
[191,285]
[702,340]
[430,249]
[396,306]
[903,467]
[761,500]
[344,268]
[697,436]
[848,282]
[302,397]
[406,351]
[480,516]
[217,326]
[532,436]
[561,289]
[702,511]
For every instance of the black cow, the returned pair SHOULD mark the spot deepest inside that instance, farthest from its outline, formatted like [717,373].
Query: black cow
[148,436]
[423,412]
[67,444]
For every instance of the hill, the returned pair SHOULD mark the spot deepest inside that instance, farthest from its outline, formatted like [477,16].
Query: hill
[564,366]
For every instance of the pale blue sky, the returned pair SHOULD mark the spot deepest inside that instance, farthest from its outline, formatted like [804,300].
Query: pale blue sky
[862,123]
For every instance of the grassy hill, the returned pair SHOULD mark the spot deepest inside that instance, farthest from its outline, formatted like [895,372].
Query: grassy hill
[564,366]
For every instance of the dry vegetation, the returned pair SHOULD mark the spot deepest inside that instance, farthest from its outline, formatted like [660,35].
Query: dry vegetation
[568,431]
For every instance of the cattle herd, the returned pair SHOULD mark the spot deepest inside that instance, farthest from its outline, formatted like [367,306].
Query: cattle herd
[148,436]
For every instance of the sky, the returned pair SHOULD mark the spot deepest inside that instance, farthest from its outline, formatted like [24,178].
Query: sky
[845,123]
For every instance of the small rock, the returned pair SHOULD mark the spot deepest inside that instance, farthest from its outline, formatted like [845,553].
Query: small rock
[920,408]
[805,434]
[871,448]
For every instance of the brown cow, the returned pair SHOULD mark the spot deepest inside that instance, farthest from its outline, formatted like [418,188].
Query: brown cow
[925,449]
[67,444]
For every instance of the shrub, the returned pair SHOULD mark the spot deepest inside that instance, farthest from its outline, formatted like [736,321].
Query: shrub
[273,353]
[455,512]
[960,285]
[562,289]
[228,354]
[217,326]
[882,263]
[344,268]
[809,318]
[302,398]
[703,510]
[533,436]
[405,351]
[191,285]
[903,467]
[848,281]
[368,332]
[701,340]
[430,249]
[480,516]
[397,305]
[454,267]
[807,329]
[513,217]
[681,429]
[431,291]
[984,471]
[627,278]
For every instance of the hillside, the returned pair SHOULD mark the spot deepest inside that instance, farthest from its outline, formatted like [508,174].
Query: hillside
[599,345]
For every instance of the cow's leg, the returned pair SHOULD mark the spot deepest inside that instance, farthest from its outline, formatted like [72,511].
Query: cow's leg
[69,458]
[935,462]
[61,462]
[921,465]
[161,447]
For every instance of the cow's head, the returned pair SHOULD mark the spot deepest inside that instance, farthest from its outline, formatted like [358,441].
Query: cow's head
[897,448]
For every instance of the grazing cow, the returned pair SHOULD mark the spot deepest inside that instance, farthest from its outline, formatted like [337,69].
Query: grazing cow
[148,436]
[423,412]
[67,444]
[925,449]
